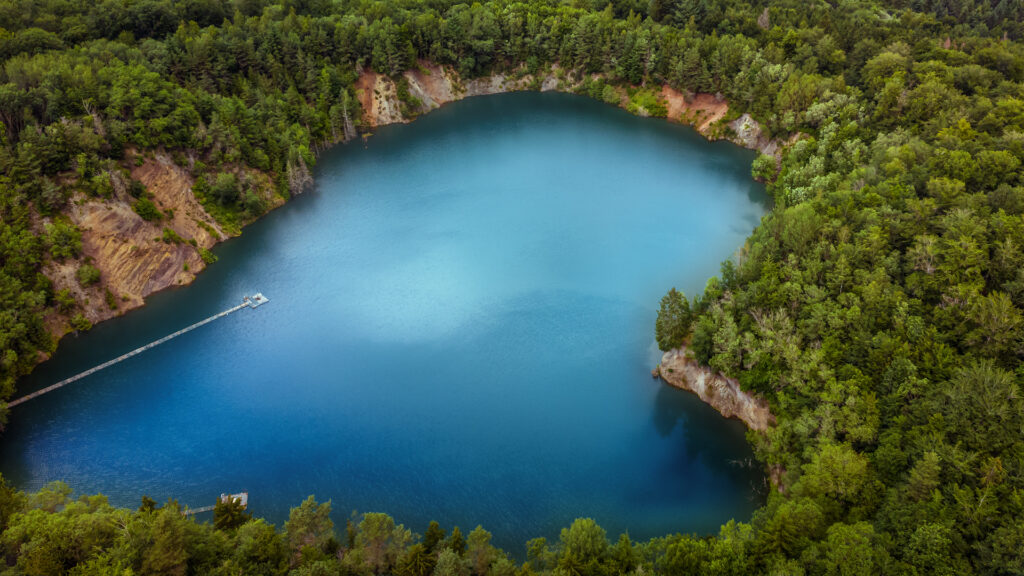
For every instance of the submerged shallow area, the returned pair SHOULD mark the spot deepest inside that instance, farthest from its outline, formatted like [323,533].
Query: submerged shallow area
[460,329]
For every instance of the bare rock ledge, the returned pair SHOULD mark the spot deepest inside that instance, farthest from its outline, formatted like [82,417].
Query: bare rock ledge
[723,394]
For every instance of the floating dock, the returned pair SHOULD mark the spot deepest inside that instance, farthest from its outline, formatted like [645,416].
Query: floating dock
[242,498]
[253,301]
[257,299]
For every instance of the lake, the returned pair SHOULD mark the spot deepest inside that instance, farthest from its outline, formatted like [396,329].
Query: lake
[460,328]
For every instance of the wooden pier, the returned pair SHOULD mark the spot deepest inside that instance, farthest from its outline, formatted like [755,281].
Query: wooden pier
[248,301]
[242,498]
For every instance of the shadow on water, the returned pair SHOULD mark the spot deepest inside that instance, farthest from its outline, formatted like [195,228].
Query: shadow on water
[718,444]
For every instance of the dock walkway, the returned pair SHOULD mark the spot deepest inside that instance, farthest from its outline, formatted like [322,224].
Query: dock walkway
[242,498]
[251,302]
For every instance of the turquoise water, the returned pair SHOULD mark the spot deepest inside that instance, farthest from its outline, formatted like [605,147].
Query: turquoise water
[460,329]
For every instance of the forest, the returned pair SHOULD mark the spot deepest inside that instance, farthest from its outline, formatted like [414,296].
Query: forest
[879,307]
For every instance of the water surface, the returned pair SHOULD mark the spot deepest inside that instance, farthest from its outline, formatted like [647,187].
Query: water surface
[460,329]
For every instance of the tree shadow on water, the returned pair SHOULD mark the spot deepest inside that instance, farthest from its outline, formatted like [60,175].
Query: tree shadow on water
[716,442]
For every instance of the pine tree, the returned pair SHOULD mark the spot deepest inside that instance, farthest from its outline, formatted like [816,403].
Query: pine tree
[924,476]
[673,324]
[417,561]
[456,542]
[168,554]
[433,537]
[449,564]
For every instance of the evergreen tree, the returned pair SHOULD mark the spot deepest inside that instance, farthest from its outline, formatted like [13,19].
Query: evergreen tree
[417,561]
[449,563]
[455,542]
[309,525]
[148,504]
[381,541]
[673,323]
[433,537]
[479,551]
[168,555]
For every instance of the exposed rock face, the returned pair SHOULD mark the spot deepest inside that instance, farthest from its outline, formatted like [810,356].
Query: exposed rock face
[171,188]
[723,394]
[548,84]
[133,259]
[378,96]
[749,134]
[435,86]
[432,85]
[700,111]
[495,84]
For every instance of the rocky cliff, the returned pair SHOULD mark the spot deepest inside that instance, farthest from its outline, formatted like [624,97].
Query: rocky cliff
[433,86]
[723,394]
[135,257]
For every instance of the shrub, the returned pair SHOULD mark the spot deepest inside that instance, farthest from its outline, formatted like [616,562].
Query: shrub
[99,185]
[137,189]
[647,103]
[80,323]
[610,95]
[764,168]
[209,229]
[63,239]
[171,237]
[225,188]
[207,256]
[408,103]
[253,203]
[148,211]
[87,275]
[65,301]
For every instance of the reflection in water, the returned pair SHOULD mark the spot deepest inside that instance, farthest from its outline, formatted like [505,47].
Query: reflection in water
[698,423]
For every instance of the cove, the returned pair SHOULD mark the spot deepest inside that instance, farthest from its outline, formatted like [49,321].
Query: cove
[460,329]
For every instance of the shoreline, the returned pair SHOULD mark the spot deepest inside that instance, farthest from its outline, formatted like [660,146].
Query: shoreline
[679,369]
[136,260]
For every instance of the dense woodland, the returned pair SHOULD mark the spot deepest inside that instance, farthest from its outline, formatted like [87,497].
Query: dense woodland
[879,307]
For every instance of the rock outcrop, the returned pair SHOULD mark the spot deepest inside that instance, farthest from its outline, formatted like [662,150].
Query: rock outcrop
[378,96]
[134,256]
[701,111]
[723,394]
[434,86]
[749,134]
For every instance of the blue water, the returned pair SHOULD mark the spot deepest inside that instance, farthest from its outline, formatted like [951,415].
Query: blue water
[460,329]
